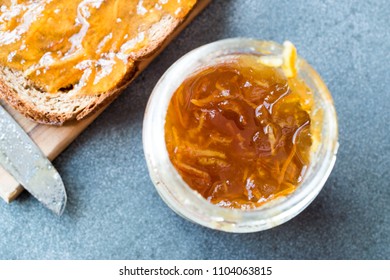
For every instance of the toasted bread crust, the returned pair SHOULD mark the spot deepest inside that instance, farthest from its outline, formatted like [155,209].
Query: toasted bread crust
[46,108]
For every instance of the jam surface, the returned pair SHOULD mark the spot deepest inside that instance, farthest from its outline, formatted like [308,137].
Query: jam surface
[79,44]
[238,132]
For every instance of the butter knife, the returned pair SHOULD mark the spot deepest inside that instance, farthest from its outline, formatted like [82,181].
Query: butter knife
[21,157]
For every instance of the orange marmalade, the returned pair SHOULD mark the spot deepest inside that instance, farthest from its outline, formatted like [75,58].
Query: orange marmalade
[82,44]
[238,132]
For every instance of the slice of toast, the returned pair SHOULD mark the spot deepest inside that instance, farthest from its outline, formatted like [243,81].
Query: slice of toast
[63,105]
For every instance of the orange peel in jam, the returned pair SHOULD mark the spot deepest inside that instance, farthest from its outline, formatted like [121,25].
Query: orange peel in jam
[238,131]
[287,61]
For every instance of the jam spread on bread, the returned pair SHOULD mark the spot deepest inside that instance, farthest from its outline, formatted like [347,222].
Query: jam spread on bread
[84,45]
[238,131]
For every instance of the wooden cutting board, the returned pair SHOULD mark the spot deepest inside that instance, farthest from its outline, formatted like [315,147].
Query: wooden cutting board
[53,140]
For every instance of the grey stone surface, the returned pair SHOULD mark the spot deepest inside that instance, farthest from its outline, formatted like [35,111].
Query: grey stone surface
[114,211]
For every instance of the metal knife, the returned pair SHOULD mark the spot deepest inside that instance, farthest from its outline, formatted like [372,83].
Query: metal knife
[21,157]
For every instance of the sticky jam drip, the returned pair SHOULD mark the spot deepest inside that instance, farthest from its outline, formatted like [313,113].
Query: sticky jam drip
[83,44]
[238,132]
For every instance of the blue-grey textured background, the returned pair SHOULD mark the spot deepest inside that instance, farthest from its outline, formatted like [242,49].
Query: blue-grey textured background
[114,211]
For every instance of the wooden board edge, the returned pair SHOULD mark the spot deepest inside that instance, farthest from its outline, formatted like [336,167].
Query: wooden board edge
[10,188]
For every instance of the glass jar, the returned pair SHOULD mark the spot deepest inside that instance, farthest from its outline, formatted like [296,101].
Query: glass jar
[190,204]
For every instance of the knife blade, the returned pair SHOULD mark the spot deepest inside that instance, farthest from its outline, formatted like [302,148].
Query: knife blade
[24,160]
